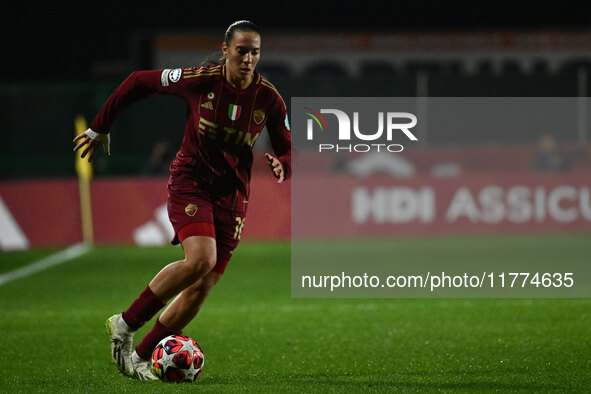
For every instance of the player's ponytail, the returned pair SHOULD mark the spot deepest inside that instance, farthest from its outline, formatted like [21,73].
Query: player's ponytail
[241,26]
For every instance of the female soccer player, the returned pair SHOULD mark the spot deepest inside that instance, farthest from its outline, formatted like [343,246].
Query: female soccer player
[208,188]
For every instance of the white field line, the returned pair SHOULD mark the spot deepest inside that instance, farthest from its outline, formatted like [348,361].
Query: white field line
[47,262]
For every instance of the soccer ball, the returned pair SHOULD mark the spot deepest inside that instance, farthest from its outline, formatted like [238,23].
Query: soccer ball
[177,358]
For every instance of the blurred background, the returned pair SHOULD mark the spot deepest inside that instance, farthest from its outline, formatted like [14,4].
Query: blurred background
[60,61]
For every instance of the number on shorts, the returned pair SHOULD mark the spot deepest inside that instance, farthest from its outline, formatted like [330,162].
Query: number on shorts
[239,225]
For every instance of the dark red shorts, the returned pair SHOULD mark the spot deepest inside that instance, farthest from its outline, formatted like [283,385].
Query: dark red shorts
[191,212]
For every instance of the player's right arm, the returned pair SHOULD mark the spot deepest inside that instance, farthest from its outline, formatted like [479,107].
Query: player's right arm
[138,85]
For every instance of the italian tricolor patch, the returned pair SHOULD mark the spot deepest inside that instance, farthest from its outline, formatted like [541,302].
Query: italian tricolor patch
[234,111]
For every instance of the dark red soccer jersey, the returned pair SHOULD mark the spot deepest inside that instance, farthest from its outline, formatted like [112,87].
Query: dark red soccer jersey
[223,123]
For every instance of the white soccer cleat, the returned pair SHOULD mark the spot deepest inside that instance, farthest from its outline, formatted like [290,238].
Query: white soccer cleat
[141,368]
[121,343]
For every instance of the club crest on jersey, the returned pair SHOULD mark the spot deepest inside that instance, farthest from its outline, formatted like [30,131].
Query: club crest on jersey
[210,95]
[234,111]
[191,209]
[258,116]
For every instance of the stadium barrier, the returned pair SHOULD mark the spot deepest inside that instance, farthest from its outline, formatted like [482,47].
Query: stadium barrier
[132,210]
[46,213]
[472,204]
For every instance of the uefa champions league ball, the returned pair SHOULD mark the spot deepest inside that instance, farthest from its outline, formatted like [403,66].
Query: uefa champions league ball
[177,358]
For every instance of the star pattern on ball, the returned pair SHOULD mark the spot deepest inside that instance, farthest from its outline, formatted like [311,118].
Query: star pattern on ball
[167,360]
[187,345]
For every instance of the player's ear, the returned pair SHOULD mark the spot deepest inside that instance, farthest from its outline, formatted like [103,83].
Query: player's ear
[225,49]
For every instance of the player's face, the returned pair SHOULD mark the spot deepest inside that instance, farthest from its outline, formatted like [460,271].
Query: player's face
[242,55]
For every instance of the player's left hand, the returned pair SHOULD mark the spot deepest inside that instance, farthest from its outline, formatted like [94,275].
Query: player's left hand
[276,167]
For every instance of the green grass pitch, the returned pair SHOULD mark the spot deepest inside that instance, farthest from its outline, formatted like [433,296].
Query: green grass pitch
[257,339]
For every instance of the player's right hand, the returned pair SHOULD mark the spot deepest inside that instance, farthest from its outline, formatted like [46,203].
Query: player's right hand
[92,140]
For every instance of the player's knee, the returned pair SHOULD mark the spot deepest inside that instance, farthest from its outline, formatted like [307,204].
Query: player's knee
[200,263]
[200,256]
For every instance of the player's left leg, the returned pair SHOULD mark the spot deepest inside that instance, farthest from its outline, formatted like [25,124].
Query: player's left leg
[183,309]
[178,314]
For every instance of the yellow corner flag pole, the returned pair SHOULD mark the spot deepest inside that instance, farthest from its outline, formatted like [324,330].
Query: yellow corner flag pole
[84,171]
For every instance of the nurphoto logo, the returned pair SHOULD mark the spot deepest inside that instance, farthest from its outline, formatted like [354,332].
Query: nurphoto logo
[395,122]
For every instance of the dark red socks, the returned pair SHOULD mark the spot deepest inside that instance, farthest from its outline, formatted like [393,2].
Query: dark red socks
[143,309]
[146,346]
